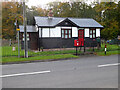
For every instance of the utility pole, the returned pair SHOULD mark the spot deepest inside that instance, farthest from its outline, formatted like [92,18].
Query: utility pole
[25,31]
[18,30]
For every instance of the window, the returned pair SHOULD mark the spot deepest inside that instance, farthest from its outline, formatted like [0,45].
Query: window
[28,38]
[66,33]
[92,33]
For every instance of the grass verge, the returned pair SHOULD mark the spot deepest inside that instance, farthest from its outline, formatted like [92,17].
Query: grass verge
[15,59]
[7,52]
[108,53]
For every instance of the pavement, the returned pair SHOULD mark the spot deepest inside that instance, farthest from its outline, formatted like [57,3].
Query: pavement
[84,72]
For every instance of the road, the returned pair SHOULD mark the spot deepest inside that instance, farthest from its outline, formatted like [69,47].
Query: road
[84,72]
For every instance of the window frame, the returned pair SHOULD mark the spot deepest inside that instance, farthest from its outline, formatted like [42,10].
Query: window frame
[92,29]
[68,29]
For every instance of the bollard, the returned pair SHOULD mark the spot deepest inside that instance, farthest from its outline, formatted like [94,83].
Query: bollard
[105,49]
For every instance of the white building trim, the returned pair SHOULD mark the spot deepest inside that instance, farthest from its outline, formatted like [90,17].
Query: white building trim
[55,32]
[86,32]
[74,32]
[97,32]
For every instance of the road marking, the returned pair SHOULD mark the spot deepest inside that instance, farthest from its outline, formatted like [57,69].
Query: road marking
[106,65]
[20,74]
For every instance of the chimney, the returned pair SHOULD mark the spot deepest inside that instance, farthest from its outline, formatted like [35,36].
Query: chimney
[50,13]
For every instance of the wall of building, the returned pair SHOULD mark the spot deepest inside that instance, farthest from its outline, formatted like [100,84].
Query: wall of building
[57,42]
[56,32]
[32,42]
[51,37]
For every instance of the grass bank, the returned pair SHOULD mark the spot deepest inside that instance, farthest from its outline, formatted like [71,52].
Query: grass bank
[15,59]
[111,50]
[10,56]
[108,53]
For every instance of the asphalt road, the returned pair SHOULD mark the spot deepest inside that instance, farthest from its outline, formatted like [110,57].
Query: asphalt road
[84,72]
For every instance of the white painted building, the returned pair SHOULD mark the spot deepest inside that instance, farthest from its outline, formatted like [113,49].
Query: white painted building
[57,32]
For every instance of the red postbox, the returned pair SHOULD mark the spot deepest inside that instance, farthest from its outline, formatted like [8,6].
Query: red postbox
[76,43]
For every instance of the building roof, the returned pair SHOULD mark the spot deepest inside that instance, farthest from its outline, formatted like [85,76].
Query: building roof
[45,22]
[29,28]
[80,22]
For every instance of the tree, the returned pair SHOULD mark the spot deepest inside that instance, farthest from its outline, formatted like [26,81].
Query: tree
[34,11]
[72,9]
[10,12]
[107,16]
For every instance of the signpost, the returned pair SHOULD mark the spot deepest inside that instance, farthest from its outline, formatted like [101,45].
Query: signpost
[18,30]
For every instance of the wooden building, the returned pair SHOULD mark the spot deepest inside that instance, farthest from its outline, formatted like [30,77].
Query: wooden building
[57,32]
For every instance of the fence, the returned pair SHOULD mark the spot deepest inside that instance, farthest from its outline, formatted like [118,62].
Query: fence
[10,48]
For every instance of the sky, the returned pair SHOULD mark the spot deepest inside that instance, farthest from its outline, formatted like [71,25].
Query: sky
[38,2]
[42,3]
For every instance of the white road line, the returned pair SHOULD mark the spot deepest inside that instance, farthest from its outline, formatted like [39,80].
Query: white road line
[106,65]
[20,74]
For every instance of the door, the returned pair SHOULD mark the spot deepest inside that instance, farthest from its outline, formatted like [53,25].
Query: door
[81,37]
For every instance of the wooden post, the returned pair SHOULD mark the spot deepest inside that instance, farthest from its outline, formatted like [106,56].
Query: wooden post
[84,49]
[84,46]
[76,50]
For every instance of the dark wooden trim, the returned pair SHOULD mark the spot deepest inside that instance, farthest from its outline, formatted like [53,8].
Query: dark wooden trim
[46,26]
[91,27]
[71,23]
[67,26]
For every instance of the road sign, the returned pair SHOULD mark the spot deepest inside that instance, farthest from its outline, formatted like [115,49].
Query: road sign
[18,29]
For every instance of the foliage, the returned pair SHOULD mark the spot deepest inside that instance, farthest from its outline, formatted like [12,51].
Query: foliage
[73,9]
[11,11]
[34,11]
[108,16]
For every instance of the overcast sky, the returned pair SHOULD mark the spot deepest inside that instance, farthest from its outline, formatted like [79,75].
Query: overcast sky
[38,2]
[42,3]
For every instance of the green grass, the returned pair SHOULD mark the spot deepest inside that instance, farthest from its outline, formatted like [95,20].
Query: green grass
[10,56]
[109,48]
[54,52]
[7,51]
[108,53]
[15,59]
